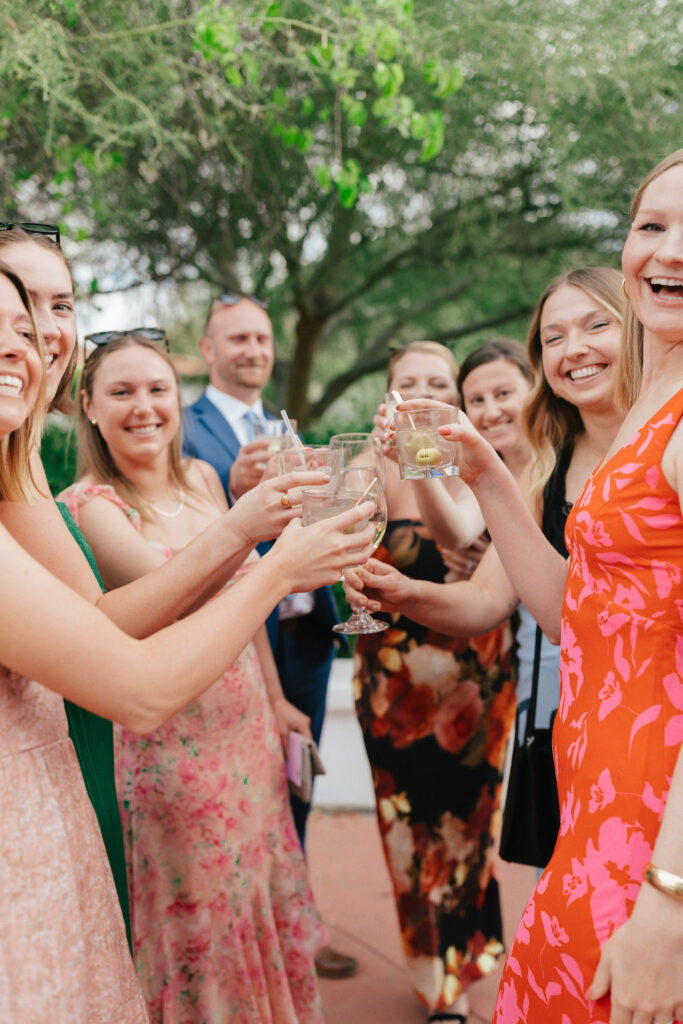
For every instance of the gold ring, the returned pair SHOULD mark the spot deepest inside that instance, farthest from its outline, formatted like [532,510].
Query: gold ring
[284,500]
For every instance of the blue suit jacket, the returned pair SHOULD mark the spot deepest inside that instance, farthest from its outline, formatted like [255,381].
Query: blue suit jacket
[209,436]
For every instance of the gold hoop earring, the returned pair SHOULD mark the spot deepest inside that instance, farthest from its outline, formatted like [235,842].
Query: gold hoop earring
[623,288]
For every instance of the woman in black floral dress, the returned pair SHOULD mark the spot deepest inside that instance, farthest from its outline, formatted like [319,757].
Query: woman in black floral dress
[436,711]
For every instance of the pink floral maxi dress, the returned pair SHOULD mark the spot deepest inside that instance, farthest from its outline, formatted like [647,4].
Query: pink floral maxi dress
[224,924]
[63,949]
[617,732]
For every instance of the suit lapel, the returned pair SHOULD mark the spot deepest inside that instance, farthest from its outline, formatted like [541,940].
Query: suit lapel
[216,424]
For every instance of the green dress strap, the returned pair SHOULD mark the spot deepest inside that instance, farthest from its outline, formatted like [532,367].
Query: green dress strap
[93,740]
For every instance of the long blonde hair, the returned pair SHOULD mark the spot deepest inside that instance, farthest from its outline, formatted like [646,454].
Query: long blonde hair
[94,457]
[630,370]
[16,479]
[551,422]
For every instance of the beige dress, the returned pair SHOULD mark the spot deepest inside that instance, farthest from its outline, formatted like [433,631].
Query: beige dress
[63,952]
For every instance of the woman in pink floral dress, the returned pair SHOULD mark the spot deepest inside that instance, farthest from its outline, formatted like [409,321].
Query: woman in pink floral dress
[224,925]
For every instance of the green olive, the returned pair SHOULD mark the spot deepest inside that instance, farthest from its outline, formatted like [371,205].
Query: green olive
[428,457]
[420,439]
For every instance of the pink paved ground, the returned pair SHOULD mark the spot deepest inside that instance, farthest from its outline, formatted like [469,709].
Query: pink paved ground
[353,892]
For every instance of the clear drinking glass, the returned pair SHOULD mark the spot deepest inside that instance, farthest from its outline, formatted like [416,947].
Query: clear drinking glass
[355,485]
[312,456]
[276,432]
[422,451]
[361,449]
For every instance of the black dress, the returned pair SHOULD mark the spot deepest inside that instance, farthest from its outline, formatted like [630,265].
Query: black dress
[436,712]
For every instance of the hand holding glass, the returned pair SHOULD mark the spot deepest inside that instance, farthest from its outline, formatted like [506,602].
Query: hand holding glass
[422,451]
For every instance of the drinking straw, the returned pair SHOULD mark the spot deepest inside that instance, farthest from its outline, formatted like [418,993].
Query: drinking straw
[371,484]
[397,398]
[296,443]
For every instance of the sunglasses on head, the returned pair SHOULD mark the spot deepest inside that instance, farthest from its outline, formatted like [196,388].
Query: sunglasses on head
[231,299]
[100,338]
[32,229]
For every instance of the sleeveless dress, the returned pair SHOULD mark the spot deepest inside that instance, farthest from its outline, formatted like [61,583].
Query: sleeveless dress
[63,950]
[93,740]
[617,731]
[224,924]
[436,712]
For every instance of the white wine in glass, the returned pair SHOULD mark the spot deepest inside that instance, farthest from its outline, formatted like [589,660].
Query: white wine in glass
[359,484]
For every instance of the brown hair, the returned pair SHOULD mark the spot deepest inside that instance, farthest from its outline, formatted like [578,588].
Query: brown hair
[16,479]
[62,402]
[94,457]
[551,422]
[630,371]
[488,352]
[432,348]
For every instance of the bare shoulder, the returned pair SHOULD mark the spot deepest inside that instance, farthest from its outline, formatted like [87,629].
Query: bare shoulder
[205,478]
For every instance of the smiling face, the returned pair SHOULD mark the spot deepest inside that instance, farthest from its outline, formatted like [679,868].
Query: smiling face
[652,258]
[21,368]
[424,373]
[580,344]
[493,395]
[134,400]
[48,282]
[238,347]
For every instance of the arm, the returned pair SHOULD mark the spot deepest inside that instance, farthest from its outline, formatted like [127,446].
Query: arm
[640,963]
[536,571]
[140,683]
[287,717]
[466,608]
[450,511]
[156,598]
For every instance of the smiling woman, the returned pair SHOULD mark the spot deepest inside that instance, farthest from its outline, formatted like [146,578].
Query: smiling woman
[21,385]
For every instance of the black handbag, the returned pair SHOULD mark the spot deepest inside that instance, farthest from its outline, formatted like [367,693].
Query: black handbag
[531,816]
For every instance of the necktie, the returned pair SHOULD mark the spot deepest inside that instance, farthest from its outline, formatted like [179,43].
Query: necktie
[250,419]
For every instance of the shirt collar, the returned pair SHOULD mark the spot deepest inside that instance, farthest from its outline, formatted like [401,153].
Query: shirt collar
[232,408]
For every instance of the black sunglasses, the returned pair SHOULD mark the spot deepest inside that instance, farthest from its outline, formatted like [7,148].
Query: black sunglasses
[149,333]
[32,229]
[231,299]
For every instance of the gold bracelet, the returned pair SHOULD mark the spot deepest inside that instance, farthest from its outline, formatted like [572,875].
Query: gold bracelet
[665,881]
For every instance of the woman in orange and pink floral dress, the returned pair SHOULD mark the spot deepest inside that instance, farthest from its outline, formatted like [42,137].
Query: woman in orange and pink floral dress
[223,920]
[601,939]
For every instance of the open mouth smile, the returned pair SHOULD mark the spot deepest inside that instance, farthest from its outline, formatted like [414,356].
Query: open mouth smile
[666,287]
[586,372]
[144,431]
[10,384]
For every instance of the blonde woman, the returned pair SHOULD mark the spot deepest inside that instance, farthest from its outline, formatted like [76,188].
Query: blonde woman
[224,924]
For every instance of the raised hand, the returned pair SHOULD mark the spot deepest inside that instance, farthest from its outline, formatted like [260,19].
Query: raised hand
[247,469]
[314,556]
[263,511]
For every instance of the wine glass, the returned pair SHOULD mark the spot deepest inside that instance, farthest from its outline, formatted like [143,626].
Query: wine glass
[361,450]
[356,485]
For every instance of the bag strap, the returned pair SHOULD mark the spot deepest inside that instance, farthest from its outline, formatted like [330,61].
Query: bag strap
[530,728]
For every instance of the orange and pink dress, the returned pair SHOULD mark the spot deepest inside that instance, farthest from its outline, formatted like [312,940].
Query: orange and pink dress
[63,949]
[617,732]
[225,928]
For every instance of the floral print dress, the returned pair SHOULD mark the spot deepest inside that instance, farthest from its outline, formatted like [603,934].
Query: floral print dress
[224,924]
[436,712]
[617,732]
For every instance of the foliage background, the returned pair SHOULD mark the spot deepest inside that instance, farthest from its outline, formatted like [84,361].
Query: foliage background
[380,171]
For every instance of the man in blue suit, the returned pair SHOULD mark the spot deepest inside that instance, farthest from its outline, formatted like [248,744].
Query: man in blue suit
[220,427]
